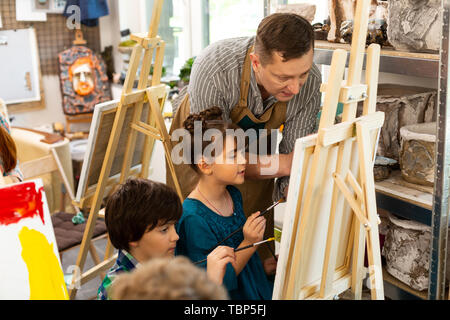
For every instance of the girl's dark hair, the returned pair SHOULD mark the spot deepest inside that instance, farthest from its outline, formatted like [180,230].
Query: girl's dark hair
[209,119]
[138,206]
[287,33]
[8,151]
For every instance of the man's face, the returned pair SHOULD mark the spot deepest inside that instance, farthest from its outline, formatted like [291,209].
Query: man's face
[279,79]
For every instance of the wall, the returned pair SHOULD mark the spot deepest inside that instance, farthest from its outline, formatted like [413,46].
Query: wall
[53,107]
[109,35]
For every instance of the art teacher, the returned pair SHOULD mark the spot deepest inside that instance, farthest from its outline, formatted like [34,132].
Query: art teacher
[259,82]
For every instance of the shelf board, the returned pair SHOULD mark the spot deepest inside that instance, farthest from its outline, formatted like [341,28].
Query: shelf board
[391,61]
[397,283]
[396,187]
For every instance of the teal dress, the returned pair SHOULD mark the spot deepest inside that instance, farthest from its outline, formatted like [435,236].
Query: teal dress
[200,229]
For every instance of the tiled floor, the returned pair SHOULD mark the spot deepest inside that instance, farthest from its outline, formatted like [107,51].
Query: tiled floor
[88,291]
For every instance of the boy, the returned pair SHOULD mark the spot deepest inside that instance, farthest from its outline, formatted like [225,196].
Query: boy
[140,217]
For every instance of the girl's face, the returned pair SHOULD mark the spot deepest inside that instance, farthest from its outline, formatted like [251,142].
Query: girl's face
[229,166]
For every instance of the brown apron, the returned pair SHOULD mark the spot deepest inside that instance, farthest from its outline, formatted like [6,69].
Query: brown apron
[256,194]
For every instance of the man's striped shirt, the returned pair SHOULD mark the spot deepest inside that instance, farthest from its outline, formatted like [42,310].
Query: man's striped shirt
[215,81]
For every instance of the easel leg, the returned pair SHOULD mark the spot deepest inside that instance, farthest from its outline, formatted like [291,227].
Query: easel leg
[358,259]
[366,151]
[155,109]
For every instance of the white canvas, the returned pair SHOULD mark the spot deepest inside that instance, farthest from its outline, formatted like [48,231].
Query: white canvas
[29,264]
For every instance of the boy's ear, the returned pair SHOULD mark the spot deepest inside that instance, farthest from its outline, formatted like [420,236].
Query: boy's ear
[204,167]
[133,244]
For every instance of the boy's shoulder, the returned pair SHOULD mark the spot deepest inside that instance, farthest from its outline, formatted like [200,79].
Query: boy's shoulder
[125,263]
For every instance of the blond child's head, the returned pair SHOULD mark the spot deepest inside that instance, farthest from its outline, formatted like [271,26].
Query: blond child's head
[167,279]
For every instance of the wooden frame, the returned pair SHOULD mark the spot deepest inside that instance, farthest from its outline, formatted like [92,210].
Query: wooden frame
[322,242]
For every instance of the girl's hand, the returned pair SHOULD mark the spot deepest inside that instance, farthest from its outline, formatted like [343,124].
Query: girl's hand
[217,262]
[254,228]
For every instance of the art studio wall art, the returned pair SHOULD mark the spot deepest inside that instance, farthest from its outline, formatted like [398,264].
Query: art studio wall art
[30,267]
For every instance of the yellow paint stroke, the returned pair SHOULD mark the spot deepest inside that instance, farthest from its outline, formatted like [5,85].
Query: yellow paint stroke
[44,271]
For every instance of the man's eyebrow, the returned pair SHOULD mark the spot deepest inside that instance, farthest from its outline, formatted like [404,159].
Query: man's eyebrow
[290,76]
[307,71]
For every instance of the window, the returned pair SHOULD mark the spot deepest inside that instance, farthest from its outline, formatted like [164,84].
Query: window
[188,26]
[234,18]
[321,8]
[174,28]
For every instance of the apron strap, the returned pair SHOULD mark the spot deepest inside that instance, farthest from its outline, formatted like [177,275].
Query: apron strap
[245,78]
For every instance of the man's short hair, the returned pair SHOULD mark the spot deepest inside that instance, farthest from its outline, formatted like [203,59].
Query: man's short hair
[286,33]
[138,206]
[167,279]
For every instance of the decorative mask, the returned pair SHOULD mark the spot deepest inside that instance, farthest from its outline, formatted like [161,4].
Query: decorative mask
[80,74]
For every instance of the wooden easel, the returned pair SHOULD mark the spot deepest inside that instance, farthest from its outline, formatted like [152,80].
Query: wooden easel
[79,40]
[327,225]
[153,128]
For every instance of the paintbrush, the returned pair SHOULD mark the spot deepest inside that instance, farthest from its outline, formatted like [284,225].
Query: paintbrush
[239,229]
[272,206]
[255,244]
[243,248]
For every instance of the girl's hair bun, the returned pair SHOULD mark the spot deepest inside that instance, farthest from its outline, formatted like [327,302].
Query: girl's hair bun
[214,113]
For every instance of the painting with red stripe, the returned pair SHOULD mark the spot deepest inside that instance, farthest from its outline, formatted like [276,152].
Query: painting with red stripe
[20,201]
[30,267]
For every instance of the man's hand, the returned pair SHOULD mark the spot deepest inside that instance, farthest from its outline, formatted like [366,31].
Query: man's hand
[286,163]
[285,192]
[270,266]
[269,166]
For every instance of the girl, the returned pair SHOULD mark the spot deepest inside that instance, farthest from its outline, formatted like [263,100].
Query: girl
[214,209]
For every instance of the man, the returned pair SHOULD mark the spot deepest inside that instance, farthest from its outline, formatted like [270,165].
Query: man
[259,82]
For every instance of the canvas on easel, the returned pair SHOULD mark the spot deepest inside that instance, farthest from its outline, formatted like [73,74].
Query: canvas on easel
[99,134]
[145,104]
[330,216]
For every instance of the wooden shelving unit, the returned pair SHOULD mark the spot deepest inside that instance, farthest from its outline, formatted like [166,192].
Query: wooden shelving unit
[392,61]
[406,292]
[412,202]
[396,187]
